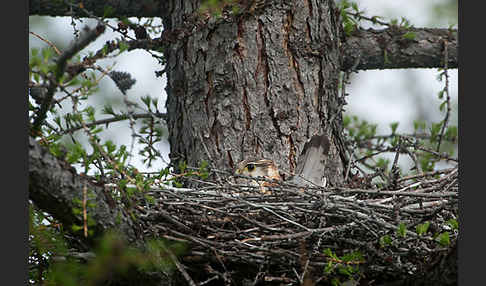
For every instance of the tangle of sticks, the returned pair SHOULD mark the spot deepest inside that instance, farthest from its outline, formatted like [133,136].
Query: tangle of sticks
[293,233]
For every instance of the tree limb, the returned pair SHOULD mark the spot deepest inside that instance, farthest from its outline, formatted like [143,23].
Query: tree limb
[129,8]
[394,47]
[55,187]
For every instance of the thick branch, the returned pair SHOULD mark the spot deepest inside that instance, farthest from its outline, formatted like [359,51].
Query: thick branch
[55,187]
[400,48]
[129,8]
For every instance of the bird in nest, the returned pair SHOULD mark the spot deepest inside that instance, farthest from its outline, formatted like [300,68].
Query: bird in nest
[256,167]
[310,169]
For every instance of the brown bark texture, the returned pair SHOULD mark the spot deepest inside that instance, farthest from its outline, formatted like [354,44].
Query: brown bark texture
[259,85]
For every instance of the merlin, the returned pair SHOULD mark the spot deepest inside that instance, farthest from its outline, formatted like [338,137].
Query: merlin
[310,170]
[256,167]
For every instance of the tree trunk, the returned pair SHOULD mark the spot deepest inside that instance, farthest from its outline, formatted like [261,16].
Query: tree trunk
[259,85]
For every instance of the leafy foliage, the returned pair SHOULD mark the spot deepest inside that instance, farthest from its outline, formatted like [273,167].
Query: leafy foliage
[343,268]
[113,261]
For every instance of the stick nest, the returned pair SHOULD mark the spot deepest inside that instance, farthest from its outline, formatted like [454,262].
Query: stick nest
[295,233]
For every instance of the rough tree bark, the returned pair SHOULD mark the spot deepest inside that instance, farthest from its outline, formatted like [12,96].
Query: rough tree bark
[260,85]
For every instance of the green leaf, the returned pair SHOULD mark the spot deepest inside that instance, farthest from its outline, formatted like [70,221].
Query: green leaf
[451,133]
[155,101]
[34,52]
[125,20]
[110,146]
[150,199]
[402,230]
[434,131]
[349,28]
[346,121]
[382,163]
[104,50]
[335,281]
[108,11]
[385,240]
[453,223]
[146,100]
[418,125]
[203,170]
[107,109]
[405,23]
[329,253]
[46,54]
[36,77]
[394,126]
[427,163]
[443,239]
[422,228]
[345,4]
[353,256]
[441,94]
[74,81]
[442,106]
[123,46]
[375,19]
[395,140]
[344,271]
[75,153]
[409,36]
[329,268]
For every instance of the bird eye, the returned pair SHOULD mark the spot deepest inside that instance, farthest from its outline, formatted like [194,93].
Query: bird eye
[250,167]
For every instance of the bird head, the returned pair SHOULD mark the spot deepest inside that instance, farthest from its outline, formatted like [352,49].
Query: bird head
[255,167]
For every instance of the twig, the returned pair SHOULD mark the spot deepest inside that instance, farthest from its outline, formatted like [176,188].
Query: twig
[85,214]
[411,194]
[374,20]
[48,42]
[448,98]
[115,119]
[179,266]
[208,280]
[425,174]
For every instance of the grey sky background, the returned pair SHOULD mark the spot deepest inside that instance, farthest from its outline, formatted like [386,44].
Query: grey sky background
[380,97]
